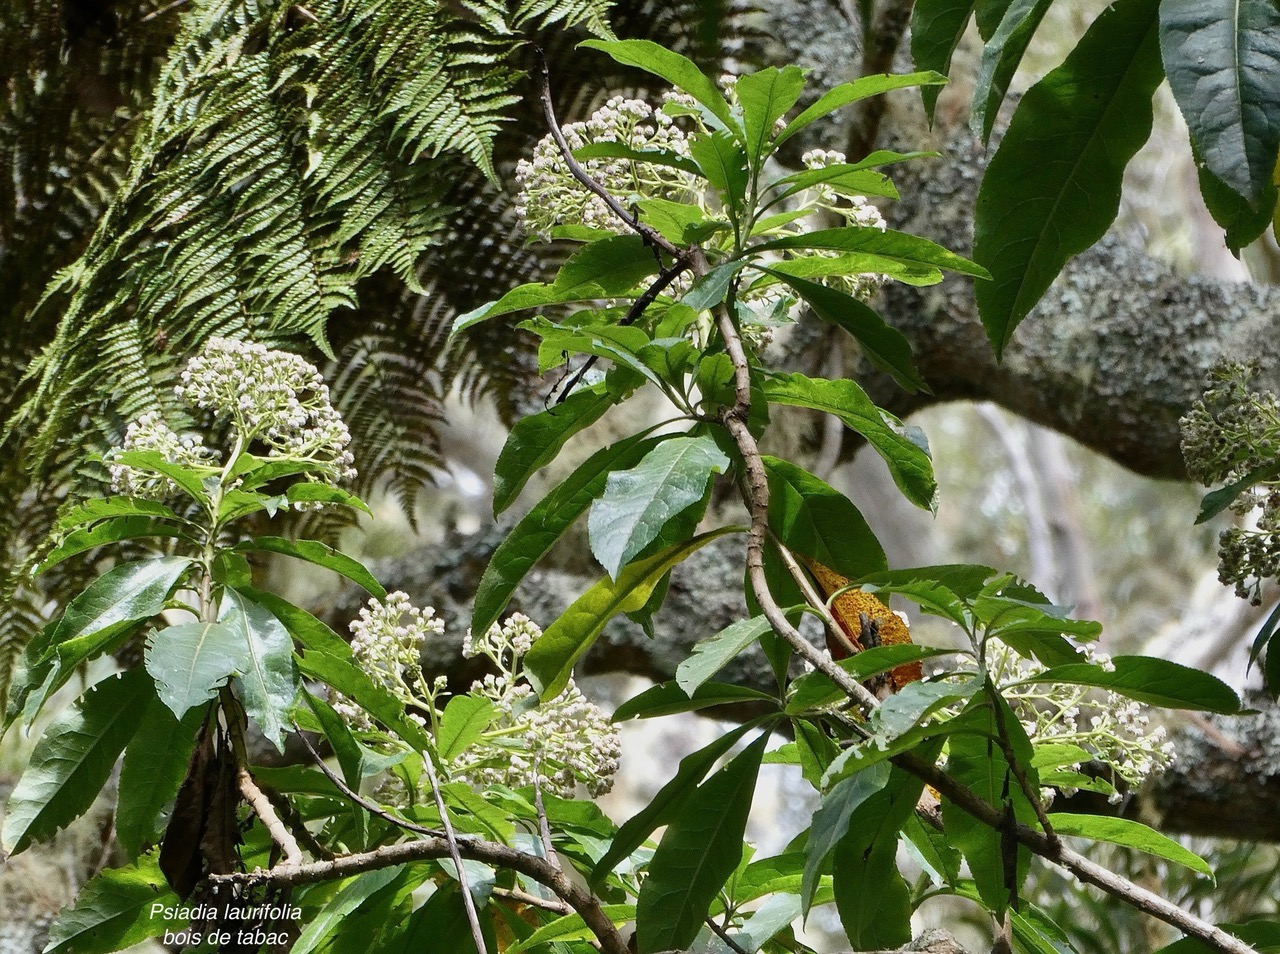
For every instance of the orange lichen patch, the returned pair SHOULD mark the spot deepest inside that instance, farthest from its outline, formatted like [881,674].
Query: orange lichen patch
[848,607]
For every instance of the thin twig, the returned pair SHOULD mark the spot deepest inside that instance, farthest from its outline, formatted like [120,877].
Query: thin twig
[524,897]
[724,936]
[544,827]
[289,815]
[265,811]
[648,233]
[360,800]
[501,856]
[162,10]
[650,295]
[468,902]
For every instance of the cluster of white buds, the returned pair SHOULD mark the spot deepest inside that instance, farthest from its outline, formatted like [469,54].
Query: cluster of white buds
[561,742]
[549,194]
[855,210]
[273,397]
[151,433]
[387,641]
[1115,731]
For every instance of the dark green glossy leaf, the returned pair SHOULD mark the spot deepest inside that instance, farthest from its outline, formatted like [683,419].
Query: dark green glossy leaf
[637,503]
[535,441]
[1156,682]
[353,894]
[441,925]
[657,157]
[936,29]
[91,511]
[814,690]
[978,762]
[550,663]
[189,479]
[1222,58]
[701,847]
[1219,500]
[104,532]
[1053,187]
[872,898]
[314,492]
[1000,58]
[885,347]
[155,763]
[663,807]
[74,759]
[831,822]
[712,288]
[535,534]
[909,464]
[668,698]
[814,519]
[114,911]
[321,554]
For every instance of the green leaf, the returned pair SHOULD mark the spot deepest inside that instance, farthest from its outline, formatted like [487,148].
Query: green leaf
[724,163]
[1262,934]
[831,822]
[535,440]
[354,893]
[1000,58]
[309,491]
[550,663]
[890,245]
[571,927]
[1219,500]
[1241,223]
[814,689]
[348,751]
[712,288]
[321,554]
[463,720]
[268,681]
[637,503]
[849,178]
[766,97]
[119,908]
[936,29]
[74,759]
[712,655]
[189,480]
[813,518]
[441,925]
[1131,834]
[668,698]
[190,661]
[977,762]
[885,347]
[872,897]
[678,222]
[155,764]
[909,464]
[702,846]
[606,268]
[664,806]
[1053,187]
[1156,682]
[1222,58]
[535,534]
[92,511]
[122,596]
[657,157]
[859,89]
[672,67]
[107,531]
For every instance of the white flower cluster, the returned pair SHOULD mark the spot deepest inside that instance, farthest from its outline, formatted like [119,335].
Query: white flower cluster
[549,194]
[1114,730]
[274,397]
[387,642]
[151,433]
[563,741]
